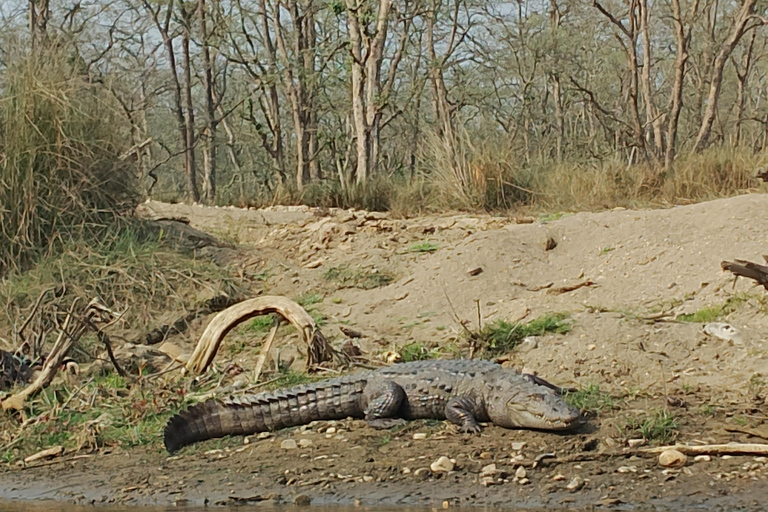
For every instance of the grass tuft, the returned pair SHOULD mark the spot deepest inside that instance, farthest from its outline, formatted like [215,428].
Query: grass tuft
[502,336]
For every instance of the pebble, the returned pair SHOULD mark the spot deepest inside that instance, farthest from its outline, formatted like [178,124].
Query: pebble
[627,469]
[330,430]
[702,458]
[635,442]
[422,473]
[521,472]
[264,435]
[672,459]
[488,470]
[486,455]
[558,477]
[575,484]
[306,443]
[406,471]
[518,446]
[301,500]
[523,481]
[288,444]
[419,435]
[367,478]
[442,465]
[487,481]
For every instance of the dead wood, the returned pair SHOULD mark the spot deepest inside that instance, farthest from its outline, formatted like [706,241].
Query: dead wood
[570,288]
[212,305]
[69,334]
[743,268]
[265,350]
[711,449]
[319,349]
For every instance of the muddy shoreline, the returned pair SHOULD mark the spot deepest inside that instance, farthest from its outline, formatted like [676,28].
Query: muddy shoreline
[356,466]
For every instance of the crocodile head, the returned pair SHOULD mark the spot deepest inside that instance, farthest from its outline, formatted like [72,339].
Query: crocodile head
[518,403]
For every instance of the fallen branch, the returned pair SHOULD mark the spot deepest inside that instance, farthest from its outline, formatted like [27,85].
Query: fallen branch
[265,350]
[570,288]
[743,268]
[319,349]
[95,311]
[711,449]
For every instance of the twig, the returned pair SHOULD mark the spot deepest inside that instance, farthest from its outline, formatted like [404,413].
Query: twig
[266,348]
[20,332]
[711,449]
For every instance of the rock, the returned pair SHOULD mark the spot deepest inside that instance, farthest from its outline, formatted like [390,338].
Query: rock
[306,443]
[672,459]
[558,477]
[523,481]
[264,435]
[485,455]
[634,443]
[406,471]
[487,481]
[422,473]
[489,470]
[442,465]
[702,458]
[301,500]
[627,469]
[330,430]
[521,472]
[419,435]
[288,444]
[575,484]
[528,344]
[367,478]
[518,446]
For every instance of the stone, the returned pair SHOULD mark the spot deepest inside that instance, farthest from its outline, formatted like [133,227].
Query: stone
[442,465]
[672,459]
[634,443]
[306,443]
[301,500]
[518,446]
[422,473]
[523,481]
[521,472]
[419,435]
[702,458]
[487,481]
[288,444]
[489,470]
[575,484]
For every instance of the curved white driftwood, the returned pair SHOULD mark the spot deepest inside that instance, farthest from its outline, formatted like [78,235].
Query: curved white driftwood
[319,350]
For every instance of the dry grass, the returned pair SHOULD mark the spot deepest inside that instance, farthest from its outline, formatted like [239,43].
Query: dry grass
[61,175]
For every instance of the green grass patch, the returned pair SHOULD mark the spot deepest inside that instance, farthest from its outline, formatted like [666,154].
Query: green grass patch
[660,426]
[355,277]
[590,399]
[717,312]
[309,299]
[423,247]
[503,336]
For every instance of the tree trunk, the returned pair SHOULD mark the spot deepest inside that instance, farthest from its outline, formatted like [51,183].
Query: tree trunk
[737,31]
[209,147]
[191,168]
[651,113]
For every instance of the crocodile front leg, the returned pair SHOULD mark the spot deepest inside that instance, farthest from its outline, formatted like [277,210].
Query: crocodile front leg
[384,400]
[459,410]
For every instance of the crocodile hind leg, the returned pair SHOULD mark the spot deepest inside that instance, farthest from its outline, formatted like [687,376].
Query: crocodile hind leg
[460,411]
[384,401]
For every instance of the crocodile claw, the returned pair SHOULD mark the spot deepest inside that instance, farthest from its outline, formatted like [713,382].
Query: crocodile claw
[471,428]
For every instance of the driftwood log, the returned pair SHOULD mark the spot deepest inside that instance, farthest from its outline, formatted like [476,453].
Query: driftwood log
[749,270]
[319,350]
[712,449]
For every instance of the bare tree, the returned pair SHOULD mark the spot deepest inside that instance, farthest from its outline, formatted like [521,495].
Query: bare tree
[739,26]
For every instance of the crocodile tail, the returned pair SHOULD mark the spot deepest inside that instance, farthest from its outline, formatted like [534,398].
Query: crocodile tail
[207,420]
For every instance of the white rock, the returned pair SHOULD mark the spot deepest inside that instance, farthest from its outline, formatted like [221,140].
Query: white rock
[558,477]
[518,446]
[488,470]
[702,458]
[575,484]
[306,443]
[521,472]
[288,444]
[627,469]
[633,443]
[487,481]
[672,459]
[442,465]
[419,435]
[330,430]
[523,481]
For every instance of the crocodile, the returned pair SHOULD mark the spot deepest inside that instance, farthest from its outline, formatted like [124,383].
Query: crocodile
[462,391]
